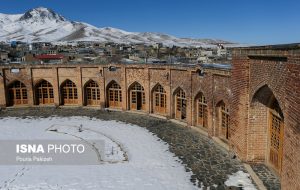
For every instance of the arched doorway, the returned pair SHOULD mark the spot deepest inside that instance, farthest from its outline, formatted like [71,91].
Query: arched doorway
[180,105]
[114,95]
[266,109]
[160,100]
[201,110]
[44,93]
[92,93]
[17,94]
[223,120]
[69,93]
[137,97]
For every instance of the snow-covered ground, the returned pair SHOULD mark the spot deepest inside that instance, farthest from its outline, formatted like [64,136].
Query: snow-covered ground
[139,160]
[150,165]
[240,179]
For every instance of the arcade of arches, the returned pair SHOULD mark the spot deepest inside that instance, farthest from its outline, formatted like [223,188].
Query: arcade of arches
[253,106]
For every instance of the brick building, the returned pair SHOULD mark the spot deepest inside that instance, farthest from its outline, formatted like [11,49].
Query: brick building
[252,106]
[265,109]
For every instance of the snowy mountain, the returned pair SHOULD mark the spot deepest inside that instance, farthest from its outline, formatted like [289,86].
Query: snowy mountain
[43,24]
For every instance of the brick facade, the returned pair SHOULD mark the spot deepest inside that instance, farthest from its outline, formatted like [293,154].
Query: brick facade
[262,76]
[258,76]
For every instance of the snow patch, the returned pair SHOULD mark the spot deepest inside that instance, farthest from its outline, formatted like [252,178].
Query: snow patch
[240,179]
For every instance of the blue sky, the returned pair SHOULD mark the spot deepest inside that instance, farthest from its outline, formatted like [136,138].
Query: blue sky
[245,21]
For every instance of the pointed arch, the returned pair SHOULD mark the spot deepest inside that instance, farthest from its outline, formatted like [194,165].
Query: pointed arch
[44,92]
[265,107]
[91,93]
[177,90]
[159,99]
[114,95]
[112,82]
[180,104]
[17,93]
[265,96]
[69,94]
[201,110]
[136,94]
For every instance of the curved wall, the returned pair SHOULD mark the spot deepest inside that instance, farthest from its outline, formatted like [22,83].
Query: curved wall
[229,94]
[214,85]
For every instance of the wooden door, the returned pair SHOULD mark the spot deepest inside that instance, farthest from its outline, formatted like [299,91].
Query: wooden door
[115,98]
[178,108]
[225,131]
[92,94]
[45,93]
[180,112]
[276,141]
[17,94]
[160,103]
[183,109]
[201,115]
[133,105]
[139,100]
[201,111]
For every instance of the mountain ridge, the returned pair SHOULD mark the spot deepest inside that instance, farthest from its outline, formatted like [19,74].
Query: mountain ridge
[44,24]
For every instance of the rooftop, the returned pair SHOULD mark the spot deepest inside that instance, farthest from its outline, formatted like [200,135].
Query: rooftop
[273,47]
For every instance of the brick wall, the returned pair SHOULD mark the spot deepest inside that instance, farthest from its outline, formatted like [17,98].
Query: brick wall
[291,161]
[239,101]
[257,76]
[260,76]
[214,84]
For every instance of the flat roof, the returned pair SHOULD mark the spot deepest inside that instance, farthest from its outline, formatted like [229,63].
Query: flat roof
[272,47]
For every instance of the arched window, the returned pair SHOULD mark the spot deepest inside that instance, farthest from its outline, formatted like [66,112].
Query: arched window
[69,95]
[114,95]
[92,93]
[44,92]
[17,94]
[180,100]
[160,103]
[201,107]
[137,97]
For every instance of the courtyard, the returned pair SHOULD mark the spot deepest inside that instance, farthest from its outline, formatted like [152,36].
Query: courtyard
[149,153]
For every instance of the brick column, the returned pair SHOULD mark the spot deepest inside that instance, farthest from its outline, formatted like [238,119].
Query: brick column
[79,86]
[2,89]
[101,82]
[239,103]
[123,84]
[29,85]
[55,86]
